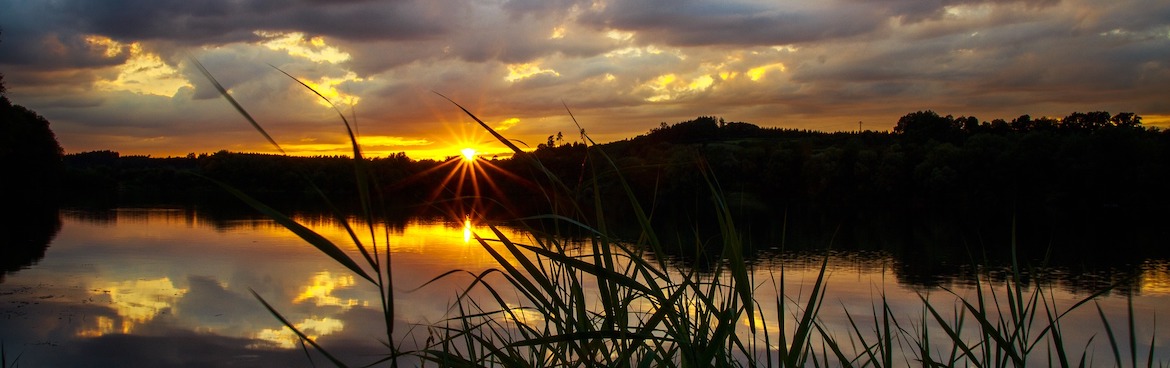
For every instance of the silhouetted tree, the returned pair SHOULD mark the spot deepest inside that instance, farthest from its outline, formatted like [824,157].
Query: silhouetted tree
[1126,120]
[1022,123]
[30,160]
[2,90]
[30,156]
[927,124]
[1086,121]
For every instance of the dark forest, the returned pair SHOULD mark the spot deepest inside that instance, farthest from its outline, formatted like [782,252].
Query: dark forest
[1072,182]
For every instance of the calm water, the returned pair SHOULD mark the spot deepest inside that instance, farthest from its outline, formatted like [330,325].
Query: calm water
[171,288]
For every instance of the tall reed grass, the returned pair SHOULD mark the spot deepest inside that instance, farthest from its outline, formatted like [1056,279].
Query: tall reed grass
[618,302]
[4,363]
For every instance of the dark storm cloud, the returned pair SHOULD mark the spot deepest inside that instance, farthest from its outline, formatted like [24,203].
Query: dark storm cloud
[46,51]
[371,21]
[541,8]
[135,20]
[1034,52]
[53,34]
[519,44]
[913,11]
[711,23]
[149,19]
[226,21]
[32,36]
[1143,14]
[698,23]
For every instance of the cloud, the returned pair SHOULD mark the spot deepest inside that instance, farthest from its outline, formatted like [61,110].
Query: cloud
[910,11]
[374,20]
[506,124]
[817,65]
[708,23]
[223,21]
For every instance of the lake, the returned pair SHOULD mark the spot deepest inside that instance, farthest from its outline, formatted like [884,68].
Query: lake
[172,287]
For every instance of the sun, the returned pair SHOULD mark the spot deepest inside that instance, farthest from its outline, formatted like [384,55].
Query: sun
[470,183]
[468,154]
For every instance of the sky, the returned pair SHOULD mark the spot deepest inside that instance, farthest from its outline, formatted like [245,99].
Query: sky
[121,75]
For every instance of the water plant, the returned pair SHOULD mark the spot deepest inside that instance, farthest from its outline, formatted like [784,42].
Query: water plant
[4,357]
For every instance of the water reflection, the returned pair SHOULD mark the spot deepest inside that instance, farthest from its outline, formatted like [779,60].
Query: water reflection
[159,273]
[285,338]
[321,287]
[467,229]
[156,279]
[103,325]
[135,302]
[1155,277]
[25,234]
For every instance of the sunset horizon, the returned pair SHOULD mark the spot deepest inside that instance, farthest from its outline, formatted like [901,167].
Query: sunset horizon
[112,76]
[673,183]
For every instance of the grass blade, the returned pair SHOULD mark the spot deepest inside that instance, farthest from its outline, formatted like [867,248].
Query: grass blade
[239,108]
[1112,339]
[306,234]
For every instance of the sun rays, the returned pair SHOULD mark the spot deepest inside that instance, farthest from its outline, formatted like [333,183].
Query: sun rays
[471,184]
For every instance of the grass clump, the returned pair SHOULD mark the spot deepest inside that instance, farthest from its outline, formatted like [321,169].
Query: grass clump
[618,302]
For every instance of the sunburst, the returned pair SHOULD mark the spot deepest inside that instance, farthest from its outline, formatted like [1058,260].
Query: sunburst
[470,182]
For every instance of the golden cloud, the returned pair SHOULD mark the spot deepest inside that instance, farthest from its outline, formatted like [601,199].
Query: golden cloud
[327,86]
[143,72]
[526,70]
[107,46]
[758,73]
[670,86]
[558,32]
[507,124]
[294,43]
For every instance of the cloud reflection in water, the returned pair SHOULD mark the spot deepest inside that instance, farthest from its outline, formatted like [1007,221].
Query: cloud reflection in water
[321,288]
[135,301]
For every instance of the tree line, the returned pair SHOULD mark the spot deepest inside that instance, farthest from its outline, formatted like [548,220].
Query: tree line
[1085,168]
[1077,181]
[1085,182]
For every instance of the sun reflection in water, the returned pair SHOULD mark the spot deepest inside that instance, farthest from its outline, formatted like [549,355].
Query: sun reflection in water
[466,229]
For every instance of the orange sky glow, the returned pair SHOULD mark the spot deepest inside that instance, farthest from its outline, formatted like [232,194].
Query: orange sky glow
[109,76]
